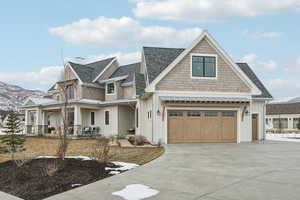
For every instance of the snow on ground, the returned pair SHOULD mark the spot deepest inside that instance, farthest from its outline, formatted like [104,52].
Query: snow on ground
[136,192]
[74,157]
[124,166]
[286,137]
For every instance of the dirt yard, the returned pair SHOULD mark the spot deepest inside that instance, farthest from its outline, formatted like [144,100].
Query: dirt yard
[83,147]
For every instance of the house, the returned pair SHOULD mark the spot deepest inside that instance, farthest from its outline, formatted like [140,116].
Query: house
[174,95]
[283,116]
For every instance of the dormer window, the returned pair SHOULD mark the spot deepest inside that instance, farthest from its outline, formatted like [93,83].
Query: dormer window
[70,91]
[110,88]
[203,66]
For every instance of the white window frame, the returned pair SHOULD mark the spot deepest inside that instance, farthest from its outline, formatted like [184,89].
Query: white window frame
[207,55]
[106,90]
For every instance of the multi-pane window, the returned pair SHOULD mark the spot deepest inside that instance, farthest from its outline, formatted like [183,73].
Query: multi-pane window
[175,113]
[296,123]
[203,66]
[280,123]
[228,114]
[110,88]
[193,114]
[70,92]
[92,118]
[106,117]
[211,114]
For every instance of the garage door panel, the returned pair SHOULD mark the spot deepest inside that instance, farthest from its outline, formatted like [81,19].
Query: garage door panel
[176,126]
[192,126]
[229,126]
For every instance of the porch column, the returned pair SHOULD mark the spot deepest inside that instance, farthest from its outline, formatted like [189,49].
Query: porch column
[28,125]
[44,122]
[77,120]
[39,121]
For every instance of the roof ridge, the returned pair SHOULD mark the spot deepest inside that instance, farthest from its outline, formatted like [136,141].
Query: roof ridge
[130,64]
[162,47]
[89,61]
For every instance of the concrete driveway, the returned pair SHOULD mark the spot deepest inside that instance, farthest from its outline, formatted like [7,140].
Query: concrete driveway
[210,172]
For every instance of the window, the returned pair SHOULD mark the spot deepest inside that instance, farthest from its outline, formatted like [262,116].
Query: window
[175,114]
[110,88]
[228,114]
[280,123]
[203,66]
[106,118]
[137,117]
[193,114]
[70,92]
[149,114]
[92,118]
[296,123]
[211,114]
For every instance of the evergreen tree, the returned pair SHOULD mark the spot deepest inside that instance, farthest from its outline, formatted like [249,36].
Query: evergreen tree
[12,141]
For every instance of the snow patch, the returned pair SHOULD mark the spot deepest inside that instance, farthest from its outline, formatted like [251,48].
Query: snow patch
[124,167]
[289,137]
[72,157]
[136,192]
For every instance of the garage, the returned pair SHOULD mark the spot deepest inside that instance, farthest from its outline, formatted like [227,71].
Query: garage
[187,126]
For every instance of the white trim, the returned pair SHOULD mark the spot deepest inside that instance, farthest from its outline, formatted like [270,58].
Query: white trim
[127,84]
[201,94]
[203,55]
[107,66]
[237,109]
[70,66]
[115,88]
[145,66]
[114,79]
[239,72]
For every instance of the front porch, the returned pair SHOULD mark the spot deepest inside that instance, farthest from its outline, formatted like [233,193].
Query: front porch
[82,120]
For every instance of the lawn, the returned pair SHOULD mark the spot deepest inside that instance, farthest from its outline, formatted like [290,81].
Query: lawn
[47,147]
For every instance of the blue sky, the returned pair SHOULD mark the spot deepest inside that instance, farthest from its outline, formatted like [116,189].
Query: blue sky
[35,34]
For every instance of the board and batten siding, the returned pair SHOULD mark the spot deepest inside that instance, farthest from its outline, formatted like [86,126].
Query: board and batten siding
[179,78]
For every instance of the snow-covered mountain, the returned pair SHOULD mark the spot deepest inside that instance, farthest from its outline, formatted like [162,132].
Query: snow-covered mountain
[12,96]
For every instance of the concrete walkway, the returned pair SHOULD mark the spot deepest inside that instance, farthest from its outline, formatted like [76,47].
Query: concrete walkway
[209,172]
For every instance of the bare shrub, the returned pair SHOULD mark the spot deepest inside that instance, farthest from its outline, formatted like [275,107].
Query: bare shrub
[101,150]
[24,158]
[141,140]
[50,168]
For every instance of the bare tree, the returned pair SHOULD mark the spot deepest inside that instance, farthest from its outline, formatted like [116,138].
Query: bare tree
[63,134]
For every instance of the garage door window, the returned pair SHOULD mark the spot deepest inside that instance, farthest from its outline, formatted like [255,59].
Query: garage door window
[211,114]
[228,114]
[175,114]
[193,114]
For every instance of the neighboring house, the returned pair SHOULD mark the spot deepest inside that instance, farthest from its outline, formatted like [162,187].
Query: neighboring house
[173,95]
[283,116]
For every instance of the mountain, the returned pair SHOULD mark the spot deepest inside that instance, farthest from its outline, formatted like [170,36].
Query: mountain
[286,100]
[12,96]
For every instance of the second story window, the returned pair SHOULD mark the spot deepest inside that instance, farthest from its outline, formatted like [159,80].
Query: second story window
[110,88]
[203,66]
[70,92]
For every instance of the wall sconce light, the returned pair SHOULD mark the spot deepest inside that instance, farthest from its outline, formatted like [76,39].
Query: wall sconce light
[247,112]
[158,112]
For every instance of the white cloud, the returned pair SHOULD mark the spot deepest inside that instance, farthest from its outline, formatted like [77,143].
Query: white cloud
[210,10]
[260,35]
[252,60]
[283,87]
[123,58]
[33,80]
[122,31]
[293,66]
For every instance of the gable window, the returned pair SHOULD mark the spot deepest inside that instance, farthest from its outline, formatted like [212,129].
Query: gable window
[203,66]
[70,92]
[110,88]
[92,118]
[106,117]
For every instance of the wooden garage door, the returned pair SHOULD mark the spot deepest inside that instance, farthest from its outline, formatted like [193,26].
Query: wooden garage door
[201,126]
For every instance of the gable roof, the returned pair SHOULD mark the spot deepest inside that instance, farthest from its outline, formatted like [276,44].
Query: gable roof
[88,72]
[283,108]
[249,72]
[128,70]
[210,39]
[158,58]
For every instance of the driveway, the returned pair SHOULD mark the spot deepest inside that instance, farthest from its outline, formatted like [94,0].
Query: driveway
[248,171]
